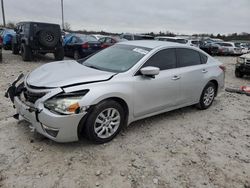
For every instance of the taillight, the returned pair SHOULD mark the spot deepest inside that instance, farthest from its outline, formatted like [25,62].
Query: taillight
[222,67]
[85,45]
[103,46]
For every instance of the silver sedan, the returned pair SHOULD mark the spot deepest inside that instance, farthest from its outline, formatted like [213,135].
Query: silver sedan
[99,95]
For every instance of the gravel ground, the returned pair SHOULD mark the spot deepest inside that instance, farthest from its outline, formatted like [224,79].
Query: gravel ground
[182,148]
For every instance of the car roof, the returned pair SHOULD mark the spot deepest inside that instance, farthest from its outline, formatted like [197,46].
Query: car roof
[166,37]
[152,43]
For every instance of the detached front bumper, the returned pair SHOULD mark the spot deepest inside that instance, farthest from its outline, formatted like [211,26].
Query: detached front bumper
[60,128]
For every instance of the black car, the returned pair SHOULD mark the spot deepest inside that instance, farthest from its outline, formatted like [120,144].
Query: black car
[36,37]
[79,45]
[211,48]
[242,66]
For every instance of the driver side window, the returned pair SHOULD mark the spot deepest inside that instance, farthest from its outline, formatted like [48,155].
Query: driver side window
[164,59]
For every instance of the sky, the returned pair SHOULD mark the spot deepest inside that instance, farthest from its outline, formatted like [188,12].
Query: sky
[137,16]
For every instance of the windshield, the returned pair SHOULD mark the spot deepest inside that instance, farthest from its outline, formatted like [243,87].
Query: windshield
[118,58]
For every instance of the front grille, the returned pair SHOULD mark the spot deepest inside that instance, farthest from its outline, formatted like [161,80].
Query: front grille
[32,97]
[248,62]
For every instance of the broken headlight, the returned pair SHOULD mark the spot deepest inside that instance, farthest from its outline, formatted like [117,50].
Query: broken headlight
[67,103]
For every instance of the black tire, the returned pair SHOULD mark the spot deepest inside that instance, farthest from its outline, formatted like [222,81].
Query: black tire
[238,74]
[26,52]
[15,49]
[5,47]
[89,126]
[76,55]
[59,54]
[48,38]
[202,105]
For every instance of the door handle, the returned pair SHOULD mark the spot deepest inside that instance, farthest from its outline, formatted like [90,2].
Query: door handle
[204,71]
[176,77]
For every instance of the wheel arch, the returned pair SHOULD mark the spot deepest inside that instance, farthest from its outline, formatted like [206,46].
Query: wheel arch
[117,99]
[215,82]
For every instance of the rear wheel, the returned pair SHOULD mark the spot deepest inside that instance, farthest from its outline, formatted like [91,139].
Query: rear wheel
[26,52]
[104,122]
[59,54]
[207,96]
[76,55]
[238,74]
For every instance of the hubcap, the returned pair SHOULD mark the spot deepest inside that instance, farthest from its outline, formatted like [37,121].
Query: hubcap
[107,123]
[208,96]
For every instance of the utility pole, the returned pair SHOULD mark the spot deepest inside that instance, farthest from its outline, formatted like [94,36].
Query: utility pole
[62,14]
[4,24]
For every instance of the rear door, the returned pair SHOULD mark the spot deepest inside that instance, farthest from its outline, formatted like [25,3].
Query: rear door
[192,69]
[160,93]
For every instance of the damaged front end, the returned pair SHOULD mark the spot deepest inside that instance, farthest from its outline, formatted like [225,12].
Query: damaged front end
[37,105]
[16,91]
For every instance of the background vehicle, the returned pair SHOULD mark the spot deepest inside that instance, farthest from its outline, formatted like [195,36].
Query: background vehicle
[244,47]
[171,39]
[1,44]
[210,48]
[78,45]
[126,82]
[7,35]
[97,37]
[242,66]
[36,37]
[109,41]
[136,37]
[193,42]
[231,48]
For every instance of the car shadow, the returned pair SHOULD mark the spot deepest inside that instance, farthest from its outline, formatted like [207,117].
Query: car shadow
[38,139]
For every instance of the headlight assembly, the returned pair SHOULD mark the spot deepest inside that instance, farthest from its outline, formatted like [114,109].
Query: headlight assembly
[66,103]
[241,60]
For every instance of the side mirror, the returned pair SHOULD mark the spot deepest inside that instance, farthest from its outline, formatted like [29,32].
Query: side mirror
[150,71]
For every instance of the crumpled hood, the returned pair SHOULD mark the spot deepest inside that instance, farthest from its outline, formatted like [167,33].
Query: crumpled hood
[64,73]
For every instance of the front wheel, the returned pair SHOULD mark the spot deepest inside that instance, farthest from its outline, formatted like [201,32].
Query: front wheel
[207,96]
[15,49]
[104,122]
[26,52]
[238,74]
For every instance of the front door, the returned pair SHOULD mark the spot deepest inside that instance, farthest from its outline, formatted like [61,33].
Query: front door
[152,95]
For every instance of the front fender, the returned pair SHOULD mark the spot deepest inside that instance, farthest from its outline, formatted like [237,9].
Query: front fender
[102,91]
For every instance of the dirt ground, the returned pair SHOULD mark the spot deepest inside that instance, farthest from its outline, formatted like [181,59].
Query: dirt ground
[183,148]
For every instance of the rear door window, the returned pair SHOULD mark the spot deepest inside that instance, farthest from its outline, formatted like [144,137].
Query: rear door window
[203,58]
[164,59]
[188,57]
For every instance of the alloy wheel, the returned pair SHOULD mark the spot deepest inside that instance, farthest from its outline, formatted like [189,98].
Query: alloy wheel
[208,96]
[107,123]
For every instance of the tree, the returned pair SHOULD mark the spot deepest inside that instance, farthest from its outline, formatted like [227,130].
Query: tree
[67,26]
[11,25]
